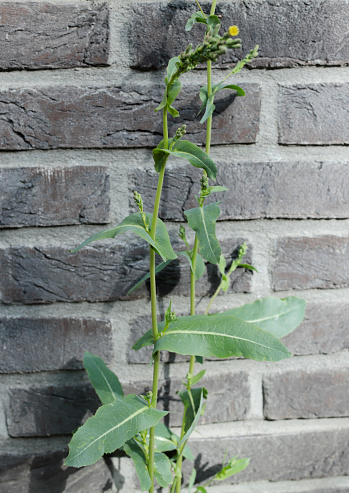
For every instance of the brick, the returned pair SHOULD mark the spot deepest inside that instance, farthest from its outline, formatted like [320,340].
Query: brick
[47,344]
[269,190]
[109,117]
[277,454]
[309,263]
[289,32]
[48,36]
[39,470]
[314,114]
[306,394]
[54,197]
[325,330]
[49,410]
[48,274]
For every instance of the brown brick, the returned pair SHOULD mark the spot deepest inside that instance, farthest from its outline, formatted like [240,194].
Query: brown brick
[48,274]
[309,263]
[31,468]
[51,410]
[54,197]
[256,190]
[276,455]
[325,330]
[306,394]
[46,344]
[289,32]
[48,36]
[314,114]
[108,117]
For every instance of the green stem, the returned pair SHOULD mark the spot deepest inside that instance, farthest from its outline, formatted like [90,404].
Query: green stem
[213,298]
[154,307]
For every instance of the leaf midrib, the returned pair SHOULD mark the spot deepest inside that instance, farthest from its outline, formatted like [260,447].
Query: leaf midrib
[207,235]
[106,380]
[268,318]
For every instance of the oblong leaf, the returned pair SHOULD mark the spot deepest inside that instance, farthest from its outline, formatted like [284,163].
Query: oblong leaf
[158,269]
[162,469]
[203,221]
[111,426]
[192,415]
[134,223]
[103,380]
[234,466]
[199,266]
[135,451]
[221,336]
[278,316]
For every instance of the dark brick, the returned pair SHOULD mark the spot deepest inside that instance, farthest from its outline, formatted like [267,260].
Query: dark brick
[306,394]
[45,344]
[325,330]
[309,263]
[51,410]
[289,32]
[54,197]
[314,114]
[44,35]
[256,190]
[276,455]
[48,274]
[42,471]
[108,117]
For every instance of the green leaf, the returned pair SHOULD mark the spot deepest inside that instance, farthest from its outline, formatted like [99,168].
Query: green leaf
[248,266]
[104,381]
[203,221]
[225,283]
[222,264]
[217,189]
[162,469]
[165,439]
[201,489]
[172,68]
[191,480]
[158,269]
[233,467]
[219,87]
[200,264]
[192,415]
[163,103]
[134,223]
[170,95]
[147,338]
[111,426]
[221,336]
[136,452]
[196,17]
[199,359]
[277,316]
[187,150]
[197,377]
[212,22]
[208,101]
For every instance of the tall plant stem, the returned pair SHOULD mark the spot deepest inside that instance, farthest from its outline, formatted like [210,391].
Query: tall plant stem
[153,305]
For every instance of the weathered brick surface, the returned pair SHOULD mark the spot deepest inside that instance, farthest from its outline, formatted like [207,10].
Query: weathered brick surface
[95,117]
[314,114]
[45,344]
[51,410]
[276,456]
[42,471]
[54,197]
[325,330]
[289,32]
[256,190]
[44,35]
[306,263]
[306,394]
[48,274]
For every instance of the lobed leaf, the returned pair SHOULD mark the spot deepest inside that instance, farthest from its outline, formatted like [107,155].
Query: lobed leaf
[111,426]
[103,380]
[221,336]
[277,316]
[203,221]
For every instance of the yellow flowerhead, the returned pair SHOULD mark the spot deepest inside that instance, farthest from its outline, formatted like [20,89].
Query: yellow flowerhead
[233,30]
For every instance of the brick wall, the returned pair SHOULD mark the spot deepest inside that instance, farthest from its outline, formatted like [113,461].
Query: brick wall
[79,82]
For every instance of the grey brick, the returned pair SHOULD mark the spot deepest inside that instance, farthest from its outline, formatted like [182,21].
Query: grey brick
[275,455]
[307,263]
[314,114]
[54,197]
[42,471]
[325,330]
[289,32]
[46,344]
[306,394]
[49,410]
[48,274]
[94,117]
[256,190]
[48,36]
